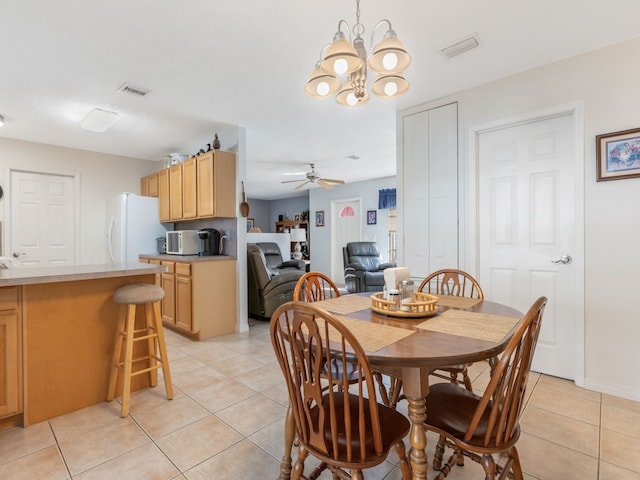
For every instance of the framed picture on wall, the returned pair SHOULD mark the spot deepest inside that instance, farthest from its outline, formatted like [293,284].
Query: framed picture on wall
[250,223]
[320,218]
[618,155]
[372,217]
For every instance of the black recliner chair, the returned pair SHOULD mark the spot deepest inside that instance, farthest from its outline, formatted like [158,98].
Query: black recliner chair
[270,280]
[363,267]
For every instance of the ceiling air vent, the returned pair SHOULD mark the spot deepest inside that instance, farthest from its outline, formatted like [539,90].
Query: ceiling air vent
[133,90]
[463,45]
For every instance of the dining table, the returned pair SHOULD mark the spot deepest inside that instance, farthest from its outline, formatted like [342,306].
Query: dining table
[409,347]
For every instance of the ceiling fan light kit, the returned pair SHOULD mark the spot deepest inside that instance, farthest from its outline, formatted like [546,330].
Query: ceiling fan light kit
[342,58]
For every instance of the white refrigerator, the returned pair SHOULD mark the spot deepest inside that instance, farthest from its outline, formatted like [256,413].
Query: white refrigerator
[133,224]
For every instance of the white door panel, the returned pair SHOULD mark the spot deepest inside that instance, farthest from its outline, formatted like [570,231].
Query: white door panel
[345,227]
[526,195]
[430,190]
[42,212]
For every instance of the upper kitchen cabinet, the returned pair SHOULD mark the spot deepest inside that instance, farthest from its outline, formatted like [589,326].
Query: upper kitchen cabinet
[189,189]
[216,184]
[175,192]
[164,196]
[149,185]
[201,187]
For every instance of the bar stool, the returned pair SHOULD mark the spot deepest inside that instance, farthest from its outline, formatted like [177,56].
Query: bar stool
[130,296]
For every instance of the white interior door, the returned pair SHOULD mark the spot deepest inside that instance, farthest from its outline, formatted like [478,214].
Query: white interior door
[527,222]
[42,219]
[429,191]
[346,227]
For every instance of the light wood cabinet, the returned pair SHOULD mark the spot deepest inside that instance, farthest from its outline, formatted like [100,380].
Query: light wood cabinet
[164,197]
[168,284]
[189,193]
[199,297]
[201,187]
[183,296]
[216,184]
[144,186]
[10,352]
[149,185]
[175,192]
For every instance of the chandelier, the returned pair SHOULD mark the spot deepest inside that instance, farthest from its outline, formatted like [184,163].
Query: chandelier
[348,61]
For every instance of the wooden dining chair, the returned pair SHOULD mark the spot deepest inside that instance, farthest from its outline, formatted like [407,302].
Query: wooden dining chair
[315,286]
[478,427]
[455,283]
[451,281]
[348,432]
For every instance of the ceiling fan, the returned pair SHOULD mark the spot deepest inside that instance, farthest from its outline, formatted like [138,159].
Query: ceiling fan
[314,177]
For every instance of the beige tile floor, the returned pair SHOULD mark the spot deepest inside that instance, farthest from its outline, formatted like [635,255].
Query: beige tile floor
[225,423]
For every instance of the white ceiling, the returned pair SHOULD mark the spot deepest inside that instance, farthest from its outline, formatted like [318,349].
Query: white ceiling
[210,64]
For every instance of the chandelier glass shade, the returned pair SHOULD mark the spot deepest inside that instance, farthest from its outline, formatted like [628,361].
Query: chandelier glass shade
[342,66]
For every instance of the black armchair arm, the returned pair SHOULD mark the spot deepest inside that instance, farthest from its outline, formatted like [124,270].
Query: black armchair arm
[356,267]
[387,265]
[299,264]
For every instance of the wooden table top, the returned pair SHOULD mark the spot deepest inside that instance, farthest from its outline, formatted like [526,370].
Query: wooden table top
[422,347]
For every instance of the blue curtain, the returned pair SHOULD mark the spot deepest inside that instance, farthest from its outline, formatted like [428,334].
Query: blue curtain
[386,198]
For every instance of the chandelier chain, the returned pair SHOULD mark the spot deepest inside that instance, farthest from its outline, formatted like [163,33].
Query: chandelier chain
[358,28]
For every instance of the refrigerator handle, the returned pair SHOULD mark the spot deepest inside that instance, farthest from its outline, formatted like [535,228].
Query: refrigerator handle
[110,239]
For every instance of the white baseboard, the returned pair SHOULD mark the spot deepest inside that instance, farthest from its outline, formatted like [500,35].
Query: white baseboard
[612,389]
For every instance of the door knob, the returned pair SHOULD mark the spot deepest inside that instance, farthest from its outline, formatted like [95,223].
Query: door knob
[18,254]
[565,260]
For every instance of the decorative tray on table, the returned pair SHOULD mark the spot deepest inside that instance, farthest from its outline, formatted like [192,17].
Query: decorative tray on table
[423,305]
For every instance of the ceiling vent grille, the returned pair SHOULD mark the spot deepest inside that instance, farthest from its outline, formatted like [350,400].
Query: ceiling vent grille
[463,45]
[133,90]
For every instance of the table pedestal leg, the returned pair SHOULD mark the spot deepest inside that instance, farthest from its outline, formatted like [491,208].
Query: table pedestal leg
[418,438]
[289,434]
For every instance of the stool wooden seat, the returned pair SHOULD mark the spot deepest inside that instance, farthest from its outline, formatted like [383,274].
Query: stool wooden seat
[130,296]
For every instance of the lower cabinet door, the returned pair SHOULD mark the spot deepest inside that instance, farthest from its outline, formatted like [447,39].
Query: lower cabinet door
[183,302]
[9,365]
[168,304]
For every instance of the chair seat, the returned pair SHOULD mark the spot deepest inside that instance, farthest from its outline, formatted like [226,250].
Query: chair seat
[393,424]
[450,409]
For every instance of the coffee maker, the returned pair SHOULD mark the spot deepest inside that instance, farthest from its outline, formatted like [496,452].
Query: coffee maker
[210,242]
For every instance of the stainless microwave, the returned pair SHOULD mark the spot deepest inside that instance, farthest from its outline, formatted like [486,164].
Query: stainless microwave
[183,242]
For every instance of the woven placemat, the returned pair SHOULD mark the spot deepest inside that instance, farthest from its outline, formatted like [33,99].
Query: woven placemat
[482,326]
[372,336]
[457,302]
[345,304]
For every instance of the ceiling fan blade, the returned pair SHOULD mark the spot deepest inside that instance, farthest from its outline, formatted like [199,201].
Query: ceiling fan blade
[292,181]
[331,180]
[324,184]
[302,185]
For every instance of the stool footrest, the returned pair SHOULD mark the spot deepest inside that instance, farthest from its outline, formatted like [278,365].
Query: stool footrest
[145,337]
[145,370]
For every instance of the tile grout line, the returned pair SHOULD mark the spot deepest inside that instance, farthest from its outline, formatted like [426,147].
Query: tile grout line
[64,460]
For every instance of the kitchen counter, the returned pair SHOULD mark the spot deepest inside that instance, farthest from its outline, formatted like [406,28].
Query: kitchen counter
[186,258]
[70,273]
[63,324]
